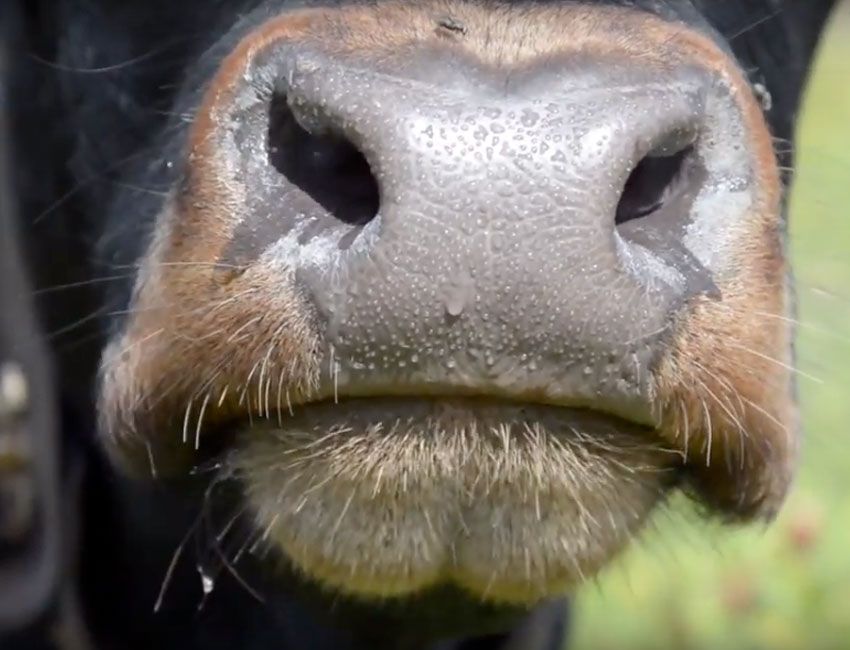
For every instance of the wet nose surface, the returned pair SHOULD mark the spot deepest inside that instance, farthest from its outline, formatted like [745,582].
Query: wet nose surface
[482,231]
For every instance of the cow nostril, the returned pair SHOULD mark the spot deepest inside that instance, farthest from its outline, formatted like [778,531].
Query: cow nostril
[324,165]
[655,181]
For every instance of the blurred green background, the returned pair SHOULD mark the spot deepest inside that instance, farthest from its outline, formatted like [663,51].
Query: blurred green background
[691,586]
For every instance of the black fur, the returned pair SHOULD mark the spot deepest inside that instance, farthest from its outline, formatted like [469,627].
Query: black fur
[98,104]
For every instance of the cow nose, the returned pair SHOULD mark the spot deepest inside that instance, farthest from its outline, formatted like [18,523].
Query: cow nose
[467,229]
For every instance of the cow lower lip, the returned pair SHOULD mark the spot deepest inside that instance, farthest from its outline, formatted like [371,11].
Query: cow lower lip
[384,497]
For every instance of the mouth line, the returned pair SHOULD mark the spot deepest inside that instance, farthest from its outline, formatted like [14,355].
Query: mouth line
[456,391]
[461,399]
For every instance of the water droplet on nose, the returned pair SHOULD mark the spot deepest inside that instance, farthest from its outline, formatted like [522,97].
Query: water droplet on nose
[458,294]
[455,302]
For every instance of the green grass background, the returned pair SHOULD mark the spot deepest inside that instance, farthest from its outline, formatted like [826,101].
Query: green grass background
[691,586]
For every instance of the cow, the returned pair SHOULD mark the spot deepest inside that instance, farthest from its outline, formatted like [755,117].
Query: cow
[389,324]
